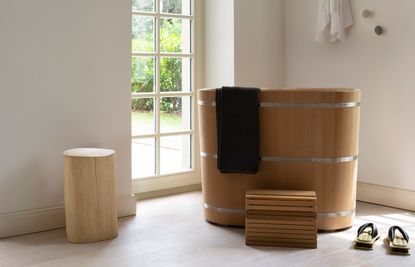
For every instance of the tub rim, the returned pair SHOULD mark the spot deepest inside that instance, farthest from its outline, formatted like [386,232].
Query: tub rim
[301,89]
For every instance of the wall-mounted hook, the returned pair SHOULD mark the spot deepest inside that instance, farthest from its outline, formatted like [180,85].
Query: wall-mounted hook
[366,13]
[379,30]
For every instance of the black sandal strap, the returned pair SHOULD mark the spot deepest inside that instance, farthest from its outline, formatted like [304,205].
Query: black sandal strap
[371,226]
[361,228]
[391,233]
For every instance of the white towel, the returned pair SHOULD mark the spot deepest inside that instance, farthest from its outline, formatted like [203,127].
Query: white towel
[335,16]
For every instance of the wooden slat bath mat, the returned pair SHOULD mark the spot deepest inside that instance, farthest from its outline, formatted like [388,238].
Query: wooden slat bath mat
[281,218]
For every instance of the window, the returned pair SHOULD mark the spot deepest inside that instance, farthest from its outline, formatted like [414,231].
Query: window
[162,88]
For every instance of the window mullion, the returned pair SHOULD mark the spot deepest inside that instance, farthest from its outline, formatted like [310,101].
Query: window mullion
[143,136]
[157,98]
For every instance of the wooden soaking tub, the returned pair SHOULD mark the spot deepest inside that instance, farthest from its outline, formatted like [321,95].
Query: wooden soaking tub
[308,141]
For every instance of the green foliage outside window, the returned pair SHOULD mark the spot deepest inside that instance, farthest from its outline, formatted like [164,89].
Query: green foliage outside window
[143,68]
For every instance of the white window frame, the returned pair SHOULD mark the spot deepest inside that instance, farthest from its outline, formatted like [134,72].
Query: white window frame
[183,178]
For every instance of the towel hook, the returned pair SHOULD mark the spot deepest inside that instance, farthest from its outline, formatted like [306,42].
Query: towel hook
[366,13]
[379,30]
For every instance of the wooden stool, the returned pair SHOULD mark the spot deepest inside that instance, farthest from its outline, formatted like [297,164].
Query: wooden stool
[90,201]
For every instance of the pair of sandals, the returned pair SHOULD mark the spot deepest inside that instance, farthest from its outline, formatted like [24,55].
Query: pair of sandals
[398,239]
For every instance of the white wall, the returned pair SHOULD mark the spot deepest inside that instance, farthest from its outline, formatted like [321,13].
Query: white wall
[64,83]
[382,66]
[259,58]
[244,44]
[219,38]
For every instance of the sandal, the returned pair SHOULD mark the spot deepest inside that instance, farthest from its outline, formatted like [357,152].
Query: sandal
[367,234]
[398,241]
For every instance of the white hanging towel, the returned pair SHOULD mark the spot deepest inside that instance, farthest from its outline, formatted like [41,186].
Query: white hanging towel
[335,16]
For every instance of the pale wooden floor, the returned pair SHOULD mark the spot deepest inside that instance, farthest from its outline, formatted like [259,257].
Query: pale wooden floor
[171,231]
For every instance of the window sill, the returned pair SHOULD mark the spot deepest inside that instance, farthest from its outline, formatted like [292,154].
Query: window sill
[149,184]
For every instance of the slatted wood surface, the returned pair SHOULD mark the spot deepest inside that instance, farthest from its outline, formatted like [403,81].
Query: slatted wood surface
[281,218]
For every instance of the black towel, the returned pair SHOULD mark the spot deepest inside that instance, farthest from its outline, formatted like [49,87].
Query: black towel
[237,121]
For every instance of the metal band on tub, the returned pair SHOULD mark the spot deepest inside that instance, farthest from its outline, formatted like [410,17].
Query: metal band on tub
[242,211]
[293,105]
[295,159]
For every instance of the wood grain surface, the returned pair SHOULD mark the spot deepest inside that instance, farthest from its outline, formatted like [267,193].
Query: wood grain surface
[289,133]
[90,197]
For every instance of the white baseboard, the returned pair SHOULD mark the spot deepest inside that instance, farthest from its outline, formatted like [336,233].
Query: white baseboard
[385,195]
[126,205]
[38,220]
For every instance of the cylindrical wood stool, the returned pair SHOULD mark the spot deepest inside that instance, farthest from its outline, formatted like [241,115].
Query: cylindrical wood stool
[90,201]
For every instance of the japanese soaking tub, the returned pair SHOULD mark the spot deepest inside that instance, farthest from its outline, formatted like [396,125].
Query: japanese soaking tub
[308,141]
